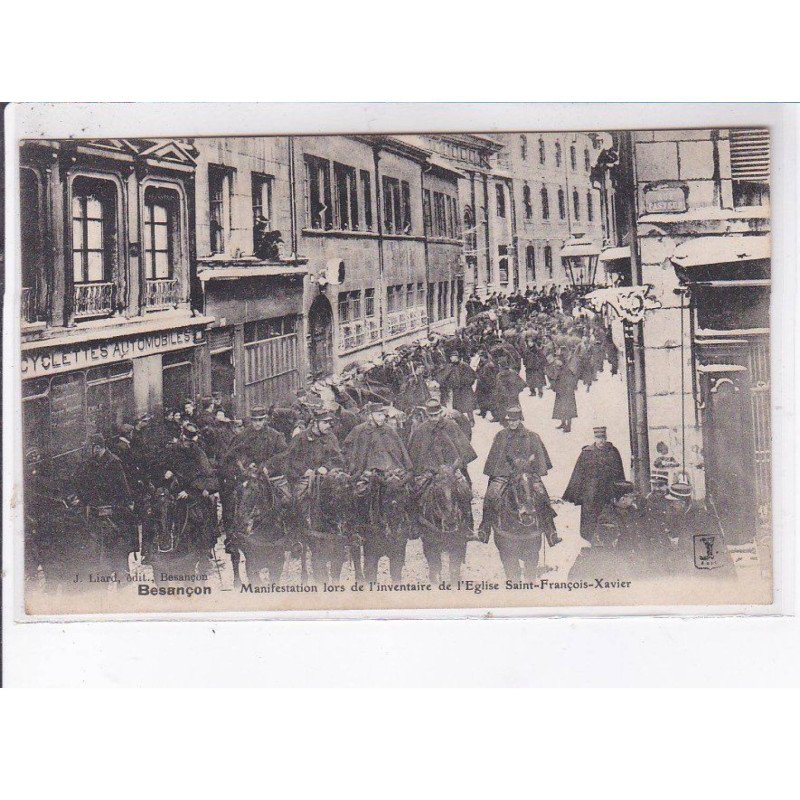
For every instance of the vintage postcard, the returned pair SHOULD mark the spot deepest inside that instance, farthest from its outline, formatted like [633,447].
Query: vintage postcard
[393,371]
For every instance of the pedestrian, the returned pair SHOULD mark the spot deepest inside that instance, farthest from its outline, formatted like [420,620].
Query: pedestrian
[564,383]
[598,468]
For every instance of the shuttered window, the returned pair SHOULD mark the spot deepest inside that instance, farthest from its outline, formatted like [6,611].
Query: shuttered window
[750,166]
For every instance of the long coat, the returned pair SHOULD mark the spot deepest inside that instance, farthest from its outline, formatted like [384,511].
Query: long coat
[565,384]
[437,442]
[508,385]
[484,387]
[592,483]
[535,363]
[508,446]
[371,447]
[308,451]
[457,380]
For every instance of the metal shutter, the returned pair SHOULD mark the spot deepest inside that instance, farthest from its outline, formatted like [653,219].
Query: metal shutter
[750,154]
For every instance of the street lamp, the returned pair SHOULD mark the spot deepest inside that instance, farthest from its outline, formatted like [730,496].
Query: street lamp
[580,257]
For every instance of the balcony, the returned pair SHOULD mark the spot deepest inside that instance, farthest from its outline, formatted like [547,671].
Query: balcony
[94,300]
[161,294]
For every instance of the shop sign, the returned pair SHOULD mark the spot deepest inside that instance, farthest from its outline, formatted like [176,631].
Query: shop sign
[665,198]
[62,358]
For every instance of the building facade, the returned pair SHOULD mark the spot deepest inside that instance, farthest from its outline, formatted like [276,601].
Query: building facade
[554,203]
[251,280]
[698,204]
[111,325]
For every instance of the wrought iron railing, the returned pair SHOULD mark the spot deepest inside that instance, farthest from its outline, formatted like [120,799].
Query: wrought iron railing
[94,299]
[27,311]
[161,293]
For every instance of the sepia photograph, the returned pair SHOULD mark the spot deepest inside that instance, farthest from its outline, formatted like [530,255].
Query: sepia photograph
[377,371]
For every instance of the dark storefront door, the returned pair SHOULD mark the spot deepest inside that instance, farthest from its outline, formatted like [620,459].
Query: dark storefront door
[320,324]
[177,379]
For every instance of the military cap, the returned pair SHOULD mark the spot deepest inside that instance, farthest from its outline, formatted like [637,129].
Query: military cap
[599,430]
[514,413]
[433,406]
[258,412]
[659,482]
[621,488]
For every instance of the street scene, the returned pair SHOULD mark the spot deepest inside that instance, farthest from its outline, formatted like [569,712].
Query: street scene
[396,371]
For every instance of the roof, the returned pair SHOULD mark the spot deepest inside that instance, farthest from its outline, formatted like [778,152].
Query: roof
[615,253]
[704,250]
[580,247]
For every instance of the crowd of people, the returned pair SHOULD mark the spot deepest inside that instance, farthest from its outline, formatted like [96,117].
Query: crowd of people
[352,469]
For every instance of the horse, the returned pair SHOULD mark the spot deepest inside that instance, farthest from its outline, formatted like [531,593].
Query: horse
[443,519]
[382,520]
[524,516]
[259,530]
[324,502]
[175,536]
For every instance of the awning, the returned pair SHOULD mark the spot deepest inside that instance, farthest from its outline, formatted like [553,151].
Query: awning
[233,273]
[706,250]
[575,248]
[615,253]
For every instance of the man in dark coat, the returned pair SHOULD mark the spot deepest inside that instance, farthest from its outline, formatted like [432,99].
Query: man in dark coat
[456,381]
[564,384]
[507,387]
[438,441]
[484,386]
[535,363]
[101,484]
[374,445]
[592,485]
[513,447]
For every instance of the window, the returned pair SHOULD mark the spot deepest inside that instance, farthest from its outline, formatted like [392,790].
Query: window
[576,204]
[369,302]
[530,264]
[587,161]
[439,215]
[366,199]
[219,206]
[345,196]
[420,295]
[31,230]
[548,260]
[750,166]
[93,230]
[411,298]
[573,157]
[427,219]
[349,306]
[558,154]
[542,157]
[109,396]
[545,203]
[262,200]
[470,234]
[589,207]
[394,298]
[562,208]
[501,200]
[523,147]
[160,226]
[396,206]
[319,210]
[502,264]
[526,201]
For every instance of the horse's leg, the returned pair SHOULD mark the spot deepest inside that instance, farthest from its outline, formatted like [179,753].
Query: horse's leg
[433,555]
[530,557]
[509,555]
[457,555]
[372,555]
[236,558]
[397,558]
[319,562]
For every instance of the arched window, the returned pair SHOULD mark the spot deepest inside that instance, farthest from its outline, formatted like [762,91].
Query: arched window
[573,157]
[545,203]
[589,207]
[526,201]
[93,229]
[576,204]
[541,151]
[548,260]
[562,207]
[530,264]
[523,147]
[470,234]
[587,161]
[160,246]
[558,154]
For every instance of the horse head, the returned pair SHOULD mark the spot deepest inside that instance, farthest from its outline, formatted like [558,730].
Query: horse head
[529,496]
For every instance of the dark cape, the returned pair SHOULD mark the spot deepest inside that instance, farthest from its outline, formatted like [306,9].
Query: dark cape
[508,385]
[510,445]
[564,385]
[438,442]
[592,483]
[456,380]
[371,447]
